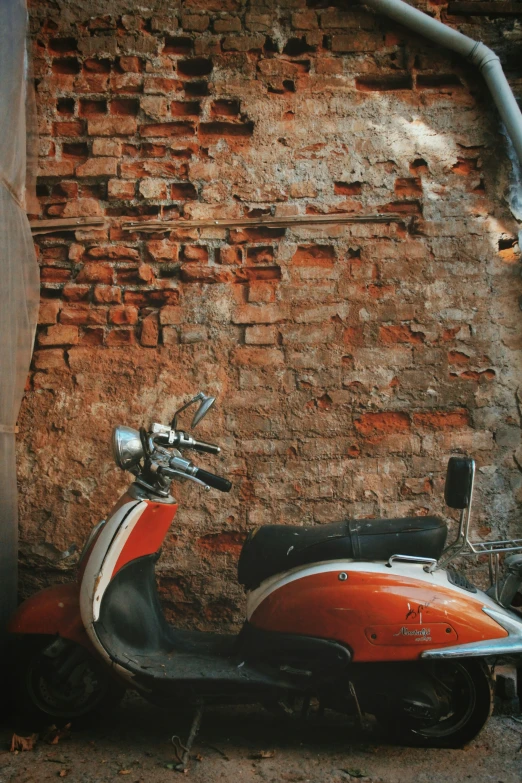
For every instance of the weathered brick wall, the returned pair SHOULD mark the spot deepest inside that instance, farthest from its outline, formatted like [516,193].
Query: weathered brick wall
[348,361]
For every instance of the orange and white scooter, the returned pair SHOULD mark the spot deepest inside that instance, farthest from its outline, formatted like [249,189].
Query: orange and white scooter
[360,615]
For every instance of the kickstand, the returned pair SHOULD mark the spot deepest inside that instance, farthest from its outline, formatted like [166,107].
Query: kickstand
[183,751]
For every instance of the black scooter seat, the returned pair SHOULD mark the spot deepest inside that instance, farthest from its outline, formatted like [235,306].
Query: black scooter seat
[273,549]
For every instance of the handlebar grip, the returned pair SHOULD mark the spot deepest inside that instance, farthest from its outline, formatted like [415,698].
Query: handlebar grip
[217,482]
[209,448]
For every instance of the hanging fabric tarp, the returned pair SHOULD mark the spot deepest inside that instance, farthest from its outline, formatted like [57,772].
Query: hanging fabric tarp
[19,280]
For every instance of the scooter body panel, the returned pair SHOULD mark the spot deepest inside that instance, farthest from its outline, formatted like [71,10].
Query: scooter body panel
[54,611]
[380,613]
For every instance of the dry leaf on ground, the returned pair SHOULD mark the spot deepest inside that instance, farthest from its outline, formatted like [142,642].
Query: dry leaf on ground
[263,754]
[23,743]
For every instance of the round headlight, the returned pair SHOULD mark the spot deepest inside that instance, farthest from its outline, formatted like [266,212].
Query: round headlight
[126,447]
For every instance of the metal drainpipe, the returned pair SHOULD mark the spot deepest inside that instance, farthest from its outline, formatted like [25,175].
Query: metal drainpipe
[474,51]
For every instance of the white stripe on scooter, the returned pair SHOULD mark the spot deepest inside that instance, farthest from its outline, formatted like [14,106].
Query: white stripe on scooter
[409,570]
[104,557]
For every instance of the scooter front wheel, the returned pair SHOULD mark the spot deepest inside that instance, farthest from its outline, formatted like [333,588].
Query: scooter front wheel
[58,681]
[464,690]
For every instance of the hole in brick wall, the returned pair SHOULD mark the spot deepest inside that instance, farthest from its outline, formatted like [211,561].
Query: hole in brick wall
[260,234]
[183,191]
[289,85]
[225,108]
[260,255]
[42,191]
[93,65]
[347,188]
[406,187]
[438,80]
[465,166]
[507,244]
[354,252]
[62,45]
[165,129]
[184,153]
[96,190]
[65,106]
[402,207]
[66,65]
[185,108]
[297,46]
[75,150]
[146,210]
[177,45]
[65,190]
[224,129]
[383,83]
[271,45]
[153,150]
[125,107]
[89,107]
[256,212]
[419,166]
[196,66]
[196,89]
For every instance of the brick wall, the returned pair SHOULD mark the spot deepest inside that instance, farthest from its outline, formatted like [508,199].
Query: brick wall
[349,361]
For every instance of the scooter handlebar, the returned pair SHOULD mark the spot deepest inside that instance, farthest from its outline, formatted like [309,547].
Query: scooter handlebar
[209,448]
[217,482]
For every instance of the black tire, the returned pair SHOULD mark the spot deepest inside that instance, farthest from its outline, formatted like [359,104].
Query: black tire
[466,691]
[70,686]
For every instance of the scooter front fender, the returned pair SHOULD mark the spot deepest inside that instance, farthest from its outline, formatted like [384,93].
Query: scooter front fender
[54,611]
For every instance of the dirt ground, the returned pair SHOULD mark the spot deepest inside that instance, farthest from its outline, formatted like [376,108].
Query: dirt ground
[249,744]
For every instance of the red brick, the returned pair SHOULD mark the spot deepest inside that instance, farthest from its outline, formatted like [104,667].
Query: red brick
[195,253]
[121,189]
[121,337]
[107,294]
[50,359]
[96,273]
[70,128]
[230,254]
[167,129]
[112,126]
[76,293]
[123,315]
[112,253]
[442,420]
[49,309]
[55,168]
[400,333]
[385,423]
[81,314]
[98,167]
[261,335]
[59,335]
[258,314]
[162,250]
[149,331]
[314,256]
[131,64]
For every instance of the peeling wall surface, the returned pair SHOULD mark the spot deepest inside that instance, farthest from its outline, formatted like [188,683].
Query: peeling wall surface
[349,361]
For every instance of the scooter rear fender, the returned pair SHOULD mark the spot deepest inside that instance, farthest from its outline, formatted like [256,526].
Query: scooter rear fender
[54,611]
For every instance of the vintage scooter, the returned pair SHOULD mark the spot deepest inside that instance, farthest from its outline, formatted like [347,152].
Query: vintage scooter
[360,616]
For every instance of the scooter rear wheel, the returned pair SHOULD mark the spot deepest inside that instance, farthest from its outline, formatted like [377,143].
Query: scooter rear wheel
[70,686]
[465,690]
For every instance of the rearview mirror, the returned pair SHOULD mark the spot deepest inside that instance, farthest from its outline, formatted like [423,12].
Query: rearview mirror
[205,404]
[459,482]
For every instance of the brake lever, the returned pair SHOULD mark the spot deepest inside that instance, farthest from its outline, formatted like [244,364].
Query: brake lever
[172,473]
